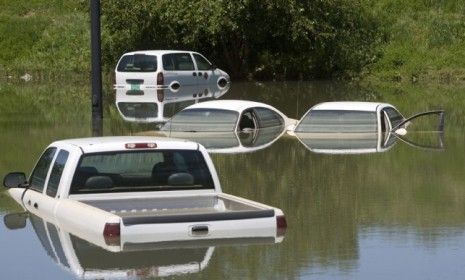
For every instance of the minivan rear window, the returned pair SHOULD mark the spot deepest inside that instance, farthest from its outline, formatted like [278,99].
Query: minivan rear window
[138,63]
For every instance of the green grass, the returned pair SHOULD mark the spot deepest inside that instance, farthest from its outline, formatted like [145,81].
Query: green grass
[424,42]
[44,36]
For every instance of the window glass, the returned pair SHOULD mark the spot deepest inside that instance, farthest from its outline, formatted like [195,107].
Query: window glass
[39,174]
[335,121]
[138,63]
[203,120]
[268,118]
[394,117]
[177,62]
[138,110]
[55,175]
[125,171]
[202,63]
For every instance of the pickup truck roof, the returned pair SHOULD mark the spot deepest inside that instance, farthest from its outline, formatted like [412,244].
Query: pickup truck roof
[115,143]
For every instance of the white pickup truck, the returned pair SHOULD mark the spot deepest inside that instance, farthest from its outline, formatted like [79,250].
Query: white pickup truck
[139,190]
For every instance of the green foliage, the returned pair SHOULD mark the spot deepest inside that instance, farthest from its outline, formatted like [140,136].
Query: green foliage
[264,39]
[44,36]
[425,44]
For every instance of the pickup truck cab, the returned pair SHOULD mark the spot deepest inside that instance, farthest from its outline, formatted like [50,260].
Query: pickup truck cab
[155,69]
[138,190]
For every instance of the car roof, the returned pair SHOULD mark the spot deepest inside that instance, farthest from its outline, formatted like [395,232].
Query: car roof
[234,105]
[117,143]
[157,52]
[350,106]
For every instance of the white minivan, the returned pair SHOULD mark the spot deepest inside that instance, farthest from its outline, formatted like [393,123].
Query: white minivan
[159,69]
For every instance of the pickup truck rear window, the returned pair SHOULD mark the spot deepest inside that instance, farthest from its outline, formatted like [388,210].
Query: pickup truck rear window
[138,63]
[135,171]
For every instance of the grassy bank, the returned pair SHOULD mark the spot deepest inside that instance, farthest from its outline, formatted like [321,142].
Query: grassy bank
[424,42]
[47,39]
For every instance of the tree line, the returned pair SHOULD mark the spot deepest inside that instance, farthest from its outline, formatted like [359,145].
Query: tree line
[256,39]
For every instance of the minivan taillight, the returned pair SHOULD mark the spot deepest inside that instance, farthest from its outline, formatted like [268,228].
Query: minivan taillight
[281,225]
[160,79]
[111,233]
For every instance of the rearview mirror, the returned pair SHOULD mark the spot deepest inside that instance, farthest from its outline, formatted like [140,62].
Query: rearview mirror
[15,180]
[15,220]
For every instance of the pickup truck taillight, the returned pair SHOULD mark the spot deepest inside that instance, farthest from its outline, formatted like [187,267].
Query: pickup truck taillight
[111,233]
[160,79]
[281,225]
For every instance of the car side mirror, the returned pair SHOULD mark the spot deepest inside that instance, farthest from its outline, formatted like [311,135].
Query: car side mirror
[15,220]
[213,67]
[15,180]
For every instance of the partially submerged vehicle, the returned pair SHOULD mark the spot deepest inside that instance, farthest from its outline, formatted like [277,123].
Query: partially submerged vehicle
[227,116]
[229,126]
[356,127]
[160,69]
[139,190]
[158,106]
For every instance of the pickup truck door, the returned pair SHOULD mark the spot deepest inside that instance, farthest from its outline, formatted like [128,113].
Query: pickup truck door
[44,182]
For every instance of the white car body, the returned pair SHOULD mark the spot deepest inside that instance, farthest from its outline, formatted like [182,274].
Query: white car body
[239,107]
[348,137]
[195,70]
[151,215]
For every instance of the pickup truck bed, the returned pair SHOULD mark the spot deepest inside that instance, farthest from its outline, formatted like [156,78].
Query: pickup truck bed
[180,209]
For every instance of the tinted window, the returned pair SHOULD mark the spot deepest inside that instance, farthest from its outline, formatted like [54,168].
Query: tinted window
[141,171]
[268,118]
[203,120]
[177,62]
[138,110]
[322,121]
[55,175]
[202,63]
[138,63]
[39,174]
[394,117]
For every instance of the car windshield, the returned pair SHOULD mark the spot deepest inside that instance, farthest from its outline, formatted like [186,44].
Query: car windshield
[138,63]
[338,121]
[147,170]
[194,120]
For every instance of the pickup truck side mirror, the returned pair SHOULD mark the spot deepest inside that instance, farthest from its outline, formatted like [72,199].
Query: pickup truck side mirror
[15,220]
[15,180]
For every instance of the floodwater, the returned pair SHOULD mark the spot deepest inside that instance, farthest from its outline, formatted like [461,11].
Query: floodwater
[396,214]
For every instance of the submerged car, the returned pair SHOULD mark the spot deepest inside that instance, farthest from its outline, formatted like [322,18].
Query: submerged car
[356,127]
[155,69]
[226,116]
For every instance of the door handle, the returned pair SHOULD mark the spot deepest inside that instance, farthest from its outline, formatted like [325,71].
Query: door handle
[36,206]
[194,74]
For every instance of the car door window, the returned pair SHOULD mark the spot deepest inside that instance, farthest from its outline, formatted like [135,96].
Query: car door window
[57,171]
[268,118]
[394,116]
[39,174]
[202,63]
[177,62]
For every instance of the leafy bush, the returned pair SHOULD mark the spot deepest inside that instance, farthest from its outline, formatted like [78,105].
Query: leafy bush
[263,39]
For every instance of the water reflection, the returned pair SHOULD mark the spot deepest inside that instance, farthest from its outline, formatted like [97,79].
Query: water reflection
[91,256]
[157,106]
